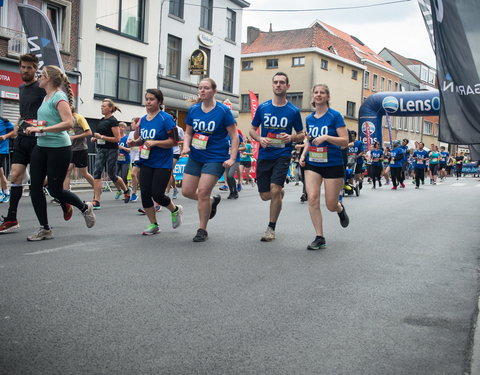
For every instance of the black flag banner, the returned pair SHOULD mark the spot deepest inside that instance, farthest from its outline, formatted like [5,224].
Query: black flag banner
[40,36]
[456,34]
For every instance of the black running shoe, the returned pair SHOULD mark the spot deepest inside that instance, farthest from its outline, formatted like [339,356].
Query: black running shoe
[201,235]
[317,244]
[216,200]
[344,220]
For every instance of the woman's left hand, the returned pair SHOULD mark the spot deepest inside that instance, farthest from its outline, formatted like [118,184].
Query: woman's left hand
[32,129]
[149,143]
[228,163]
[319,140]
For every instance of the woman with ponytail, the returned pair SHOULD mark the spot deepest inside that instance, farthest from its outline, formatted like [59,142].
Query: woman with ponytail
[52,154]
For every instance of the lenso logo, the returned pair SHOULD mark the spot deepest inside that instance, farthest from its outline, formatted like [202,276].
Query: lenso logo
[371,127]
[390,104]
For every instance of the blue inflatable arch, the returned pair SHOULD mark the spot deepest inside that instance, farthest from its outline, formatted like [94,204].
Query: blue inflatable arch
[397,103]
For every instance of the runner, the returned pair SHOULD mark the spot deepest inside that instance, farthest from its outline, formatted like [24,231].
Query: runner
[327,133]
[376,156]
[459,158]
[420,156]
[356,149]
[246,157]
[134,156]
[386,165]
[277,118]
[434,156]
[107,137]
[78,136]
[123,158]
[396,160]
[208,123]
[444,156]
[31,97]
[52,155]
[177,151]
[406,156]
[157,135]
[6,131]
[230,171]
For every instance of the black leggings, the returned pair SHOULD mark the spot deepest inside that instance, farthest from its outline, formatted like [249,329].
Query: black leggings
[153,182]
[459,170]
[419,176]
[376,173]
[51,162]
[396,173]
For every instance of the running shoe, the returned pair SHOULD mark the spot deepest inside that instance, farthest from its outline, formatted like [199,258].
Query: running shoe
[239,187]
[175,193]
[6,198]
[67,212]
[55,201]
[96,205]
[402,185]
[373,187]
[89,215]
[268,236]
[126,196]
[158,208]
[151,229]
[177,217]
[41,234]
[201,236]
[117,194]
[8,225]
[344,220]
[2,195]
[216,200]
[317,244]
[393,188]
[379,184]
[223,188]
[417,187]
[134,197]
[231,196]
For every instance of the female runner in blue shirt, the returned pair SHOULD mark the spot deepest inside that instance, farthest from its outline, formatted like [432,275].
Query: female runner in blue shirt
[208,123]
[322,158]
[376,156]
[156,134]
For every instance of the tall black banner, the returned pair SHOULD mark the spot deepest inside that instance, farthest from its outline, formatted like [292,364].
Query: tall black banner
[456,34]
[40,36]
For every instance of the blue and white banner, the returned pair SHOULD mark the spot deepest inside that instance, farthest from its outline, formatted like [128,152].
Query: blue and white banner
[40,36]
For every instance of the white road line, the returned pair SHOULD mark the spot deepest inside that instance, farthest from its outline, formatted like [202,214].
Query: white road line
[56,249]
[458,184]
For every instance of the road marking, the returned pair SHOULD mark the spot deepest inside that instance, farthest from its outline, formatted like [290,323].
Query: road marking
[55,249]
[458,184]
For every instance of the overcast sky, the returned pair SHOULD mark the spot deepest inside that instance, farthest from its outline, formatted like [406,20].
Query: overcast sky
[399,27]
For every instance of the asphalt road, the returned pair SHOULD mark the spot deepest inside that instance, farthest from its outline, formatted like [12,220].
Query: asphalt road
[394,293]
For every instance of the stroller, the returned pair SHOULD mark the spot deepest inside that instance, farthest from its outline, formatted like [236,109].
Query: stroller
[351,186]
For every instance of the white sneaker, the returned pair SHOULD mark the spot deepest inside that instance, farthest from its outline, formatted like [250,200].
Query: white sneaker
[41,234]
[177,217]
[269,235]
[89,215]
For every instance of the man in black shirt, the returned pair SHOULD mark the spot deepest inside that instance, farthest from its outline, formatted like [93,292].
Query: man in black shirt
[31,98]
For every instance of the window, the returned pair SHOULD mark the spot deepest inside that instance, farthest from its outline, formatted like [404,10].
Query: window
[228,74]
[427,127]
[231,25]
[411,124]
[123,16]
[247,65]
[207,52]
[59,12]
[340,69]
[298,61]
[295,98]
[118,75]
[366,80]
[272,63]
[354,74]
[374,82]
[174,54]
[324,64]
[400,122]
[382,83]
[206,14]
[417,124]
[176,8]
[405,123]
[246,103]
[435,130]
[396,86]
[389,85]
[351,109]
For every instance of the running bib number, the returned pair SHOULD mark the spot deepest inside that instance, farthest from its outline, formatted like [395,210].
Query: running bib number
[100,141]
[40,124]
[419,161]
[144,152]
[318,154]
[434,161]
[121,157]
[376,160]
[199,141]
[275,140]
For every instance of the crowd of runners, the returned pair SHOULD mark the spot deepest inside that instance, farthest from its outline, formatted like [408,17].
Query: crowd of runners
[52,138]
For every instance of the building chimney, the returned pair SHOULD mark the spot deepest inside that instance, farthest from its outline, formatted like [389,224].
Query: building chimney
[252,34]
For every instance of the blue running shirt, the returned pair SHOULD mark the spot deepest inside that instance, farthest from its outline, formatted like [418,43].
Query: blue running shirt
[420,158]
[376,156]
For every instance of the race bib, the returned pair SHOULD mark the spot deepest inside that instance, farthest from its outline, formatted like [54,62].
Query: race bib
[276,140]
[434,160]
[40,124]
[375,160]
[144,152]
[121,157]
[71,132]
[318,154]
[199,141]
[100,141]
[392,161]
[419,161]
